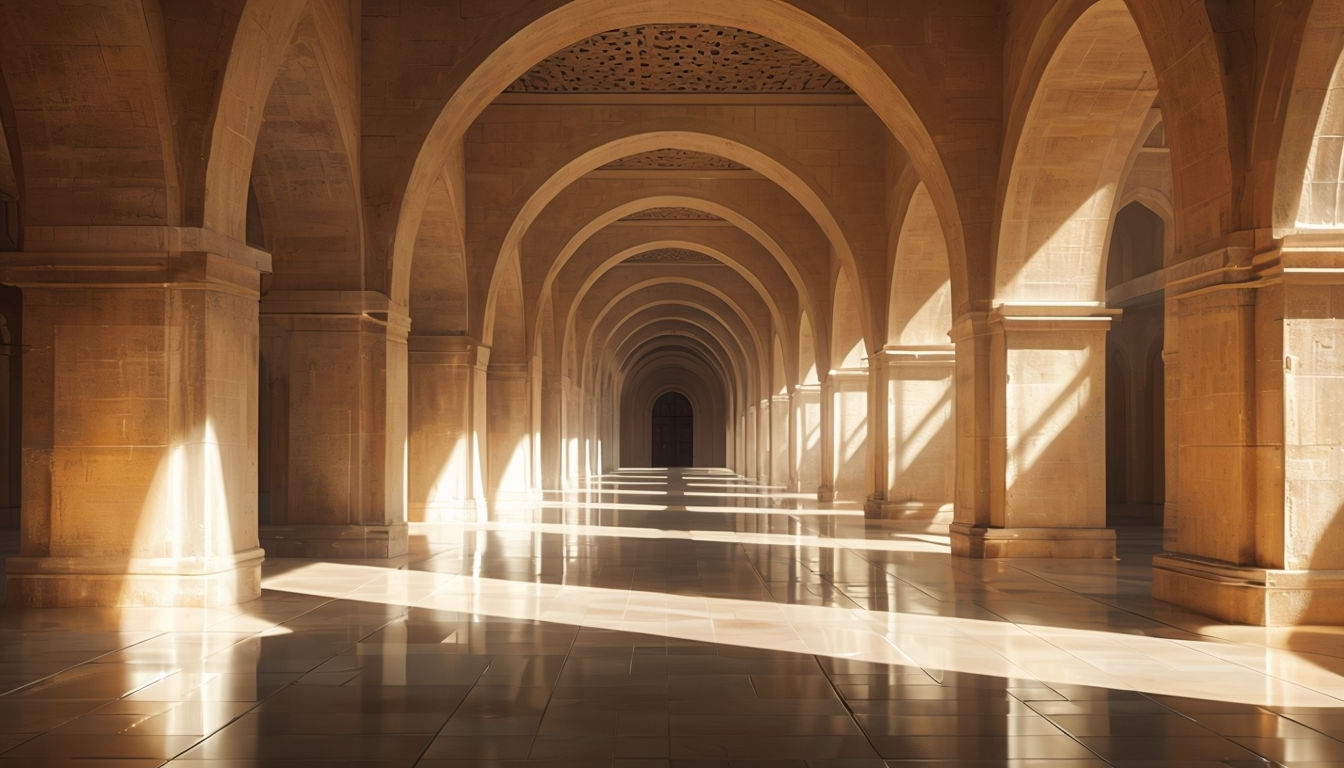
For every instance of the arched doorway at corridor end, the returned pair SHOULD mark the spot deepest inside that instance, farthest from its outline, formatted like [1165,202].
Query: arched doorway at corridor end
[672,431]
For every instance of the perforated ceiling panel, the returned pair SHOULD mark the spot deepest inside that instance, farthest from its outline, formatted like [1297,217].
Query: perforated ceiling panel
[673,160]
[678,58]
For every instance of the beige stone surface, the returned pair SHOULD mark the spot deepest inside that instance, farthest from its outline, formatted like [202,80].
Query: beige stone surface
[296,272]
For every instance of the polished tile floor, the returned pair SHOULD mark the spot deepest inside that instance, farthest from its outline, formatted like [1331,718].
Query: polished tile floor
[696,620]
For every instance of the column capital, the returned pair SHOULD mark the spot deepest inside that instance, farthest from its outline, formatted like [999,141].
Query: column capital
[337,310]
[134,257]
[1052,316]
[923,354]
[444,349]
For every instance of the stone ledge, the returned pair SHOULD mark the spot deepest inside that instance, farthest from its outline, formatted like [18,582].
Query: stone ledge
[335,541]
[925,517]
[1247,594]
[993,543]
[45,582]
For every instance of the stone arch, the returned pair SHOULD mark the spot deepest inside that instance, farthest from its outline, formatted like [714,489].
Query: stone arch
[746,342]
[746,225]
[1064,171]
[305,166]
[674,370]
[71,178]
[849,348]
[775,313]
[264,35]
[1316,193]
[439,299]
[509,58]
[1138,243]
[1308,77]
[919,310]
[781,173]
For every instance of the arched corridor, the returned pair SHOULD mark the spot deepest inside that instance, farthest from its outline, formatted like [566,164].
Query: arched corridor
[1020,315]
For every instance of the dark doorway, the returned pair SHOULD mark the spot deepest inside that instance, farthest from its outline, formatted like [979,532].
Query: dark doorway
[673,431]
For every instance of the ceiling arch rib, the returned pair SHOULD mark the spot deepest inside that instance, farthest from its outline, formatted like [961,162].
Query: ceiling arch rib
[513,53]
[616,337]
[732,316]
[770,167]
[569,324]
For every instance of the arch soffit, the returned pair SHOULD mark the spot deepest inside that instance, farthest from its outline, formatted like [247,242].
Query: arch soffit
[266,31]
[649,319]
[742,223]
[500,60]
[776,316]
[1063,26]
[644,327]
[644,285]
[1318,59]
[339,206]
[649,359]
[667,362]
[782,174]
[641,336]
[647,325]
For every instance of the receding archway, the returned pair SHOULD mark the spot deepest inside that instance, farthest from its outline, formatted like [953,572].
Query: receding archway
[673,431]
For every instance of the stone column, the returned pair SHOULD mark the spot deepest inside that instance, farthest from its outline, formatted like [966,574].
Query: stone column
[848,402]
[912,435]
[763,451]
[1260,534]
[550,439]
[509,466]
[345,359]
[808,438]
[140,418]
[1047,451]
[447,425]
[781,442]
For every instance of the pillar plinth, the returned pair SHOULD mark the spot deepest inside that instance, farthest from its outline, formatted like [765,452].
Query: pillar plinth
[447,471]
[342,357]
[807,439]
[846,471]
[1260,399]
[912,439]
[1046,447]
[139,440]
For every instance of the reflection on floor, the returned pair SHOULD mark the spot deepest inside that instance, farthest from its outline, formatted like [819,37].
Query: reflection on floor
[697,620]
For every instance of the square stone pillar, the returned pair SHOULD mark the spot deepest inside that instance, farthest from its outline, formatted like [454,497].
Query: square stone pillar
[808,438]
[509,464]
[763,451]
[781,442]
[344,356]
[912,436]
[1260,534]
[447,427]
[1047,450]
[748,442]
[847,443]
[140,418]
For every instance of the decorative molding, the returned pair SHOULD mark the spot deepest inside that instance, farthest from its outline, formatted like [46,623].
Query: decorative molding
[672,214]
[678,58]
[670,256]
[673,160]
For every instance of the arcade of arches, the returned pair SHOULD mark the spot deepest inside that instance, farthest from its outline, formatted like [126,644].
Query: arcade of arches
[285,277]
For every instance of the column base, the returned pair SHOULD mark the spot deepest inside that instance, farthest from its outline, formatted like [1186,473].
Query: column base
[925,517]
[340,542]
[457,511]
[1248,595]
[992,543]
[69,582]
[825,494]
